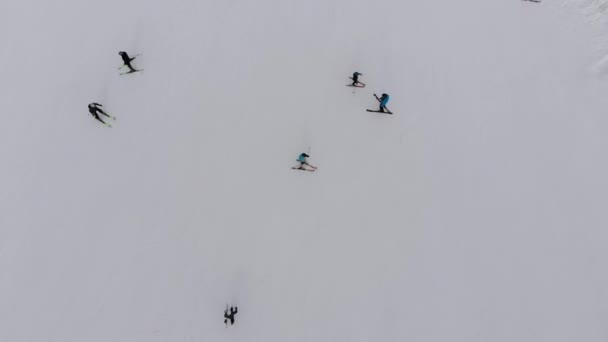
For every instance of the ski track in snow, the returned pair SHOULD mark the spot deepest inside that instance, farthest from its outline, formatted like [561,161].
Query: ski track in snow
[595,12]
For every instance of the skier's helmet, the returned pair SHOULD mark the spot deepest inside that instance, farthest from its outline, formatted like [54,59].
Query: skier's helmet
[384,95]
[121,53]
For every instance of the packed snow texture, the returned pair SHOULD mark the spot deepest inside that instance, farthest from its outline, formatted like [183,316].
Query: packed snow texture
[595,12]
[477,212]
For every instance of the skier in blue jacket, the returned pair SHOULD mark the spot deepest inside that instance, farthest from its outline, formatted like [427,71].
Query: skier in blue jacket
[383,101]
[303,160]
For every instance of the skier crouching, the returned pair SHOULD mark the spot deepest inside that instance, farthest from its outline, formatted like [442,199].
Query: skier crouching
[303,160]
[127,60]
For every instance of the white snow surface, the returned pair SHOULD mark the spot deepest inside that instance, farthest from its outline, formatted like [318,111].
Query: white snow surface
[477,212]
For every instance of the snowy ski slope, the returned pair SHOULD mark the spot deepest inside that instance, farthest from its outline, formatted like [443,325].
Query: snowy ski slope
[477,212]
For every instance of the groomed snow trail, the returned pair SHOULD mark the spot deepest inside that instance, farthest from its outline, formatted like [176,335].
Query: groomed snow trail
[475,213]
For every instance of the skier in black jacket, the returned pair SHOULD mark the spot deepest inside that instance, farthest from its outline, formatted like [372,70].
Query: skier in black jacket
[355,79]
[230,316]
[127,60]
[95,110]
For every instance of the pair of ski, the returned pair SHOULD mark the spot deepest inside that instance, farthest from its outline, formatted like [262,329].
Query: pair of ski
[356,85]
[380,111]
[302,167]
[131,71]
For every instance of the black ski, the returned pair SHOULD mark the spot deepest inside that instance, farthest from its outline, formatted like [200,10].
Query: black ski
[131,71]
[301,168]
[387,110]
[379,111]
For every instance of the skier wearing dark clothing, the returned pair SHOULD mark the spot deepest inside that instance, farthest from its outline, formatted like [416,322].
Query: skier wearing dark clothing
[127,60]
[95,110]
[230,316]
[355,79]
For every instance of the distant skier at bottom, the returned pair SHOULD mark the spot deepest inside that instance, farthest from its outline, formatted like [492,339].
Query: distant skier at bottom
[95,110]
[303,160]
[230,316]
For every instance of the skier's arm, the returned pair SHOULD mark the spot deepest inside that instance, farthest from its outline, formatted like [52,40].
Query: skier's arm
[97,104]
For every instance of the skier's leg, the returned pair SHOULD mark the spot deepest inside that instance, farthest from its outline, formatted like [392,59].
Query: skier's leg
[130,67]
[98,118]
[104,113]
[307,167]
